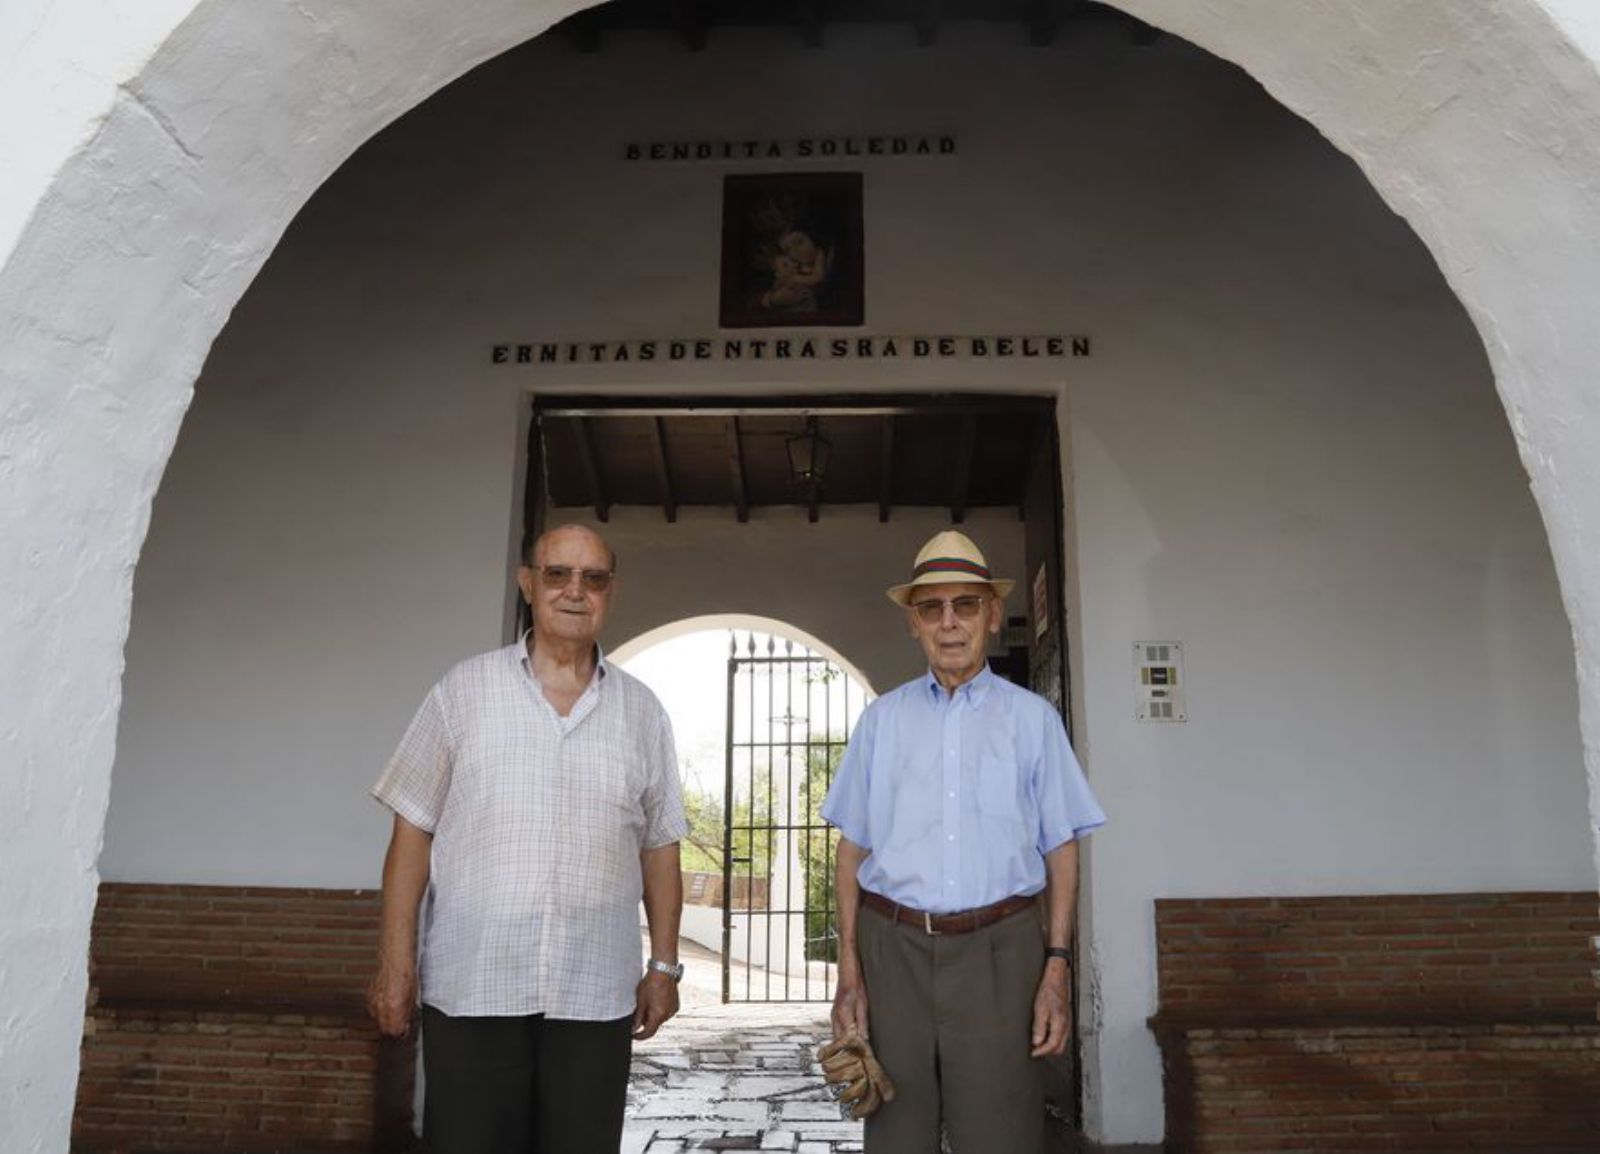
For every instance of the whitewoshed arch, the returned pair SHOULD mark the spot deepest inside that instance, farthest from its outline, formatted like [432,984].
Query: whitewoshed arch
[155,158]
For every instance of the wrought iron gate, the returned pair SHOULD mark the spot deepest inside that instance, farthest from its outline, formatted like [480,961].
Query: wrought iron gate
[789,719]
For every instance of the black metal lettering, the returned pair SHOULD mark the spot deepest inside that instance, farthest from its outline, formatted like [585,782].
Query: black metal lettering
[947,146]
[838,348]
[702,151]
[632,152]
[864,347]
[1055,347]
[781,350]
[658,152]
[702,350]
[889,349]
[680,152]
[851,148]
[1080,346]
[732,350]
[524,354]
[947,346]
[924,148]
[597,353]
[500,353]
[622,352]
[677,350]
[1029,349]
[875,145]
[548,354]
[980,347]
[808,349]
[805,148]
[829,147]
[647,350]
[757,348]
[920,347]
[900,146]
[774,150]
[1002,346]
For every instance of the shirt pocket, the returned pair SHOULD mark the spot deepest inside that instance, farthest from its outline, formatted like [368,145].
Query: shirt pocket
[1001,797]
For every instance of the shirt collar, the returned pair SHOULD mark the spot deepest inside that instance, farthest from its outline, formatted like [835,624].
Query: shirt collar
[975,690]
[602,668]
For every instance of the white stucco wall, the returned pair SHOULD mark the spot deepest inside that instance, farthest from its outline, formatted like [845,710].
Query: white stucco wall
[1286,452]
[145,187]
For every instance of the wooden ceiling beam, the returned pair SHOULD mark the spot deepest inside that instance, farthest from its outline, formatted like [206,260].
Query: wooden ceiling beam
[582,30]
[811,20]
[669,503]
[1043,22]
[1144,34]
[694,23]
[963,477]
[741,496]
[591,469]
[886,480]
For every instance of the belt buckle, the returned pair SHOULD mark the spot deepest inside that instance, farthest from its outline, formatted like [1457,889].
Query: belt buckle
[927,924]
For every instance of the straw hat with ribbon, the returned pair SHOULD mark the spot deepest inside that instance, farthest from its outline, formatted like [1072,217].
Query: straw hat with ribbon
[949,558]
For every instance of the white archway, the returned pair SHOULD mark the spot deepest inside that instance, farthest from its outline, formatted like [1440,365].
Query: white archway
[158,161]
[750,622]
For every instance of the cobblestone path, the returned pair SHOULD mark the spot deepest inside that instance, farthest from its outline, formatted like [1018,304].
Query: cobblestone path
[739,1077]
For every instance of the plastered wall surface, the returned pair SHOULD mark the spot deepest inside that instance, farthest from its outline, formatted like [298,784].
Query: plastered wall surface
[135,218]
[1285,451]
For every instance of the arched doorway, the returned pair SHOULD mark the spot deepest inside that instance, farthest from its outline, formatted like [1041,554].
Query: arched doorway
[1524,272]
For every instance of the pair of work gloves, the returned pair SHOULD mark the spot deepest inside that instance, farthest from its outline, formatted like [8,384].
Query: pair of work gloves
[854,1076]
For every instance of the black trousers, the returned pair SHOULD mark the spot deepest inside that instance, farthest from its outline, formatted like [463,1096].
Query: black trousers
[532,1085]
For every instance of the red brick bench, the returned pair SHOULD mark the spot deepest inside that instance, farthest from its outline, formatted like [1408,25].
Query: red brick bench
[232,1018]
[1457,1022]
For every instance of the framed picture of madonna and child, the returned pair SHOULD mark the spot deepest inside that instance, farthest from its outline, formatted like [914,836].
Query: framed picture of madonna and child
[791,250]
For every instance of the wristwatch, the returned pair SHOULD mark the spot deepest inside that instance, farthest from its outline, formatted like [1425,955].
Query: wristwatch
[675,972]
[1062,952]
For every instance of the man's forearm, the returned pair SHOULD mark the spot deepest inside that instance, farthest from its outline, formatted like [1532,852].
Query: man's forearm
[1061,892]
[663,899]
[847,890]
[405,880]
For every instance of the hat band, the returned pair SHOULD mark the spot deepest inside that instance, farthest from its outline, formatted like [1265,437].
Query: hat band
[951,565]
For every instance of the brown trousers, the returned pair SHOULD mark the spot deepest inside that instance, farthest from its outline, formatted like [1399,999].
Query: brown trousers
[950,1017]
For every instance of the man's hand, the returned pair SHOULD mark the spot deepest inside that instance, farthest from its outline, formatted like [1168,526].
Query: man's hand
[392,999]
[654,1003]
[1052,1013]
[850,1001]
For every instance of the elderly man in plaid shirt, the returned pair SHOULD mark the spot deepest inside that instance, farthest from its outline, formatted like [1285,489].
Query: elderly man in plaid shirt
[536,801]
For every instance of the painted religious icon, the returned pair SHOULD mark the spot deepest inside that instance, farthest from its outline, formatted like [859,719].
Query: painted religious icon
[791,250]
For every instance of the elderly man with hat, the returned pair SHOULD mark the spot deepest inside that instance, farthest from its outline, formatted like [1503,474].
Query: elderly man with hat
[959,804]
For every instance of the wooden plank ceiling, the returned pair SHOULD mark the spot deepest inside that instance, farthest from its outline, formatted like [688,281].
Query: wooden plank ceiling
[694,22]
[958,453]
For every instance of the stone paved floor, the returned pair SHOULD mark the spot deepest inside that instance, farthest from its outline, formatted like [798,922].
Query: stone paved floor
[736,1077]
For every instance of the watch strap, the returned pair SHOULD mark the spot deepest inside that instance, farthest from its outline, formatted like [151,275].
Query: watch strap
[1062,952]
[672,970]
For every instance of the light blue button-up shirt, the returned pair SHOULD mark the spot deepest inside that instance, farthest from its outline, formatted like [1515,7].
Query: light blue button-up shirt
[958,797]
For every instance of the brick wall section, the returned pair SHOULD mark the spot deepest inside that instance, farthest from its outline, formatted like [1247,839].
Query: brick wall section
[1441,1089]
[1485,957]
[1439,1023]
[231,1019]
[237,944]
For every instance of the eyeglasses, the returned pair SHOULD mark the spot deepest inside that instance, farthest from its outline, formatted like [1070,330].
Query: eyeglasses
[931,612]
[560,576]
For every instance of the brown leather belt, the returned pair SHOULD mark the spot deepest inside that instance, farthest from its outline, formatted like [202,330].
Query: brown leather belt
[958,923]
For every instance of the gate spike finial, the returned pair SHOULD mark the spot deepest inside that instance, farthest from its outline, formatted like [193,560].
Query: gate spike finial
[772,645]
[788,646]
[733,644]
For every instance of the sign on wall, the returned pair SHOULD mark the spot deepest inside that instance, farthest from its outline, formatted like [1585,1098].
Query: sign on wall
[820,347]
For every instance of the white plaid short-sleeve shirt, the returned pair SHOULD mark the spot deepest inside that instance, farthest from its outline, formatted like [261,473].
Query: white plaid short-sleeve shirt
[538,821]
